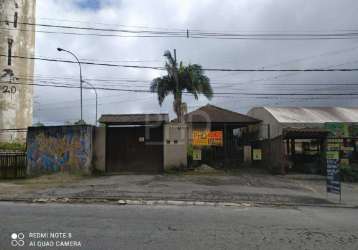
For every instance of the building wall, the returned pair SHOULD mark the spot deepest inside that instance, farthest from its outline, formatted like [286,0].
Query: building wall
[269,123]
[15,99]
[99,149]
[276,128]
[273,154]
[60,149]
[175,146]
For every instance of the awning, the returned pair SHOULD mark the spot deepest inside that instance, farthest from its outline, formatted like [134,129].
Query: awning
[134,119]
[305,133]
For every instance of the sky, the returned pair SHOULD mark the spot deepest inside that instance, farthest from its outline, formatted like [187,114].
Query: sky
[55,105]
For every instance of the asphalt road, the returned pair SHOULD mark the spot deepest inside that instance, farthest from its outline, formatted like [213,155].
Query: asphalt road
[174,227]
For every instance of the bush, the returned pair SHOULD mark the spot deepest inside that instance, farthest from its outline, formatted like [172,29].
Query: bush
[349,173]
[13,146]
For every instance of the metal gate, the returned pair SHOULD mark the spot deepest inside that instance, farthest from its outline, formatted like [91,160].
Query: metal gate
[12,165]
[134,149]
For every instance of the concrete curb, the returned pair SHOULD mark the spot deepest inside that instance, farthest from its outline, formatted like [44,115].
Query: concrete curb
[152,202]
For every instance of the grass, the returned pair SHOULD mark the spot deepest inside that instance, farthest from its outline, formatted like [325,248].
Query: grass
[12,146]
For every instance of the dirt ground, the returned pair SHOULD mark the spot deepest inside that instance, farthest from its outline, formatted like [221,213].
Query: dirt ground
[248,186]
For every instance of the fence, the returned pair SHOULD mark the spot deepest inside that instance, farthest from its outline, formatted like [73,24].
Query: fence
[12,165]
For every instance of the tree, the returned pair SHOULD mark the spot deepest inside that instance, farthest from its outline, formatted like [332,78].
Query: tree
[190,78]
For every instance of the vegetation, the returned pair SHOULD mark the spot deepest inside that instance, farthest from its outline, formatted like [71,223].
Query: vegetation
[190,79]
[349,173]
[12,146]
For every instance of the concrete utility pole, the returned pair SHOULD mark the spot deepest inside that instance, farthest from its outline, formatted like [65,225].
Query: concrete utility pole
[180,118]
[81,81]
[95,91]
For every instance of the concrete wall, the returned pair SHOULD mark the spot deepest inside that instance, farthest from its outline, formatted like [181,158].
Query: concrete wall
[15,99]
[267,119]
[99,149]
[273,154]
[175,145]
[60,149]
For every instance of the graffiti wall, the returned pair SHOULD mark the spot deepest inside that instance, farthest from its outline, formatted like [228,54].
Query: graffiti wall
[59,149]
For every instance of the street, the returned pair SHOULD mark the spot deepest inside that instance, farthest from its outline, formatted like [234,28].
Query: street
[244,187]
[177,227]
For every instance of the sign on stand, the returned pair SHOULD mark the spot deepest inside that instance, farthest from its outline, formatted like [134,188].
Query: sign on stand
[333,176]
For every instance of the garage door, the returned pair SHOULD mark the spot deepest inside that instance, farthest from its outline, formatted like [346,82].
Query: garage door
[134,149]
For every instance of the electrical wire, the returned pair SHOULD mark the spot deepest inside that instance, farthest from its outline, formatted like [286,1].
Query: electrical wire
[185,92]
[212,35]
[205,69]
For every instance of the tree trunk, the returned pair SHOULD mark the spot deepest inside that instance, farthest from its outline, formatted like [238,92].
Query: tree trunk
[177,106]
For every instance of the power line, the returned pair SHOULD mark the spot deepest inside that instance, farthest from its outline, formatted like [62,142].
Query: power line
[120,81]
[107,24]
[214,84]
[185,92]
[205,69]
[86,63]
[212,35]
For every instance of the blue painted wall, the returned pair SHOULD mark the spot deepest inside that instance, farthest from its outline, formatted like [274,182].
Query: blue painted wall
[60,149]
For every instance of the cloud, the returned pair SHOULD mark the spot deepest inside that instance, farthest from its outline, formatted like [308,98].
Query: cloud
[225,16]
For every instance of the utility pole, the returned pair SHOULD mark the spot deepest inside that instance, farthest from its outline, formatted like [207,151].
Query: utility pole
[177,87]
[96,94]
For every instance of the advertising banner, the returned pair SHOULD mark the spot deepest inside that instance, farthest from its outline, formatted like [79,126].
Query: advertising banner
[200,138]
[338,130]
[257,154]
[197,154]
[333,177]
[208,138]
[216,138]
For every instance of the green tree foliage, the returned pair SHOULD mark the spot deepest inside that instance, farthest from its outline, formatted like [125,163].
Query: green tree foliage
[179,79]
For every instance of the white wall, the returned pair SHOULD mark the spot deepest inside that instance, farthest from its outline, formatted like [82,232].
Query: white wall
[276,128]
[175,145]
[267,119]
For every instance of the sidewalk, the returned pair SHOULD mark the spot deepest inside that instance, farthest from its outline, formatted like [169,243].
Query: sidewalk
[251,188]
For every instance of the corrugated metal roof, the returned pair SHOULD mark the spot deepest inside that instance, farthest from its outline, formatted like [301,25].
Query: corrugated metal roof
[214,114]
[133,118]
[313,114]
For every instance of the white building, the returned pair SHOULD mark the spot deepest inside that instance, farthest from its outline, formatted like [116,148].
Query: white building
[294,138]
[16,75]
[280,118]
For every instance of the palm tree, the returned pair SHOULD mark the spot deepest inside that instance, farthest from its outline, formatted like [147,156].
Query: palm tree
[190,79]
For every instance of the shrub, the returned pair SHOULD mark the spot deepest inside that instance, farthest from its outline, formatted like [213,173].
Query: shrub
[349,173]
[12,146]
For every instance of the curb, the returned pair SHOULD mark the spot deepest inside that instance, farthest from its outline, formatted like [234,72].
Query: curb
[149,202]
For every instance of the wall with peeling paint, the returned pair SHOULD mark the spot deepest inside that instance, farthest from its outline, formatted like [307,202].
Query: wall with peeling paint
[16,100]
[60,149]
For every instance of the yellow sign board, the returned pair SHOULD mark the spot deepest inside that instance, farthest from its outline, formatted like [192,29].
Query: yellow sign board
[344,162]
[257,154]
[197,154]
[347,149]
[207,138]
[333,146]
[332,155]
[200,138]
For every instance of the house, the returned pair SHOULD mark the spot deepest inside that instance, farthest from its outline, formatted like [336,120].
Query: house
[133,142]
[217,136]
[143,143]
[298,136]
[124,143]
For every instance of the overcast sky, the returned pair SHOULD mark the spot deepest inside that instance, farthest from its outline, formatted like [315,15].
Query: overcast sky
[54,105]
